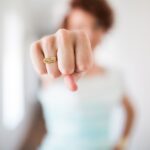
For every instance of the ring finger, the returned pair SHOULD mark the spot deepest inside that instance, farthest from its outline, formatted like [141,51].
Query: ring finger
[50,51]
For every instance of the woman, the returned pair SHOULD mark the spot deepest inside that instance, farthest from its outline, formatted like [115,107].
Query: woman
[79,120]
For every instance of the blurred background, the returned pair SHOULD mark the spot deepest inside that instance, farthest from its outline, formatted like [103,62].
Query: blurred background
[127,47]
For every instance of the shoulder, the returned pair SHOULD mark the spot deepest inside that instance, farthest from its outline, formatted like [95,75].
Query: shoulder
[113,72]
[114,77]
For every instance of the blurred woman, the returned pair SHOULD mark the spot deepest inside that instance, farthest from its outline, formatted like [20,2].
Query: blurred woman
[80,120]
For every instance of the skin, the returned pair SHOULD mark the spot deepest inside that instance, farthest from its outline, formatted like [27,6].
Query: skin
[71,61]
[74,48]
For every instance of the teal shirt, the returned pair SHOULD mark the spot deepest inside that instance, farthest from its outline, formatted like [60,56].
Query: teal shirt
[81,120]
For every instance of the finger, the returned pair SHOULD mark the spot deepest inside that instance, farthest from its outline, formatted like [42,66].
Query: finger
[70,82]
[83,51]
[66,60]
[37,57]
[50,50]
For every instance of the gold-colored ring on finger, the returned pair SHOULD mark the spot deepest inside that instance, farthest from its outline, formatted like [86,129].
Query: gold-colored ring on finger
[50,60]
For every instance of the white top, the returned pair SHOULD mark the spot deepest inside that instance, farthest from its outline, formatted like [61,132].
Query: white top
[81,120]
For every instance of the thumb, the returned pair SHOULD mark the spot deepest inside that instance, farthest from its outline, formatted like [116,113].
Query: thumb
[70,82]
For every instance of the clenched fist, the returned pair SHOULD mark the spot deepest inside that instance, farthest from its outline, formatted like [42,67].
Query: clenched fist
[72,50]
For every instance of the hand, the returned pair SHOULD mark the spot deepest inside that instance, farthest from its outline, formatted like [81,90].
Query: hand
[73,52]
[118,147]
[121,145]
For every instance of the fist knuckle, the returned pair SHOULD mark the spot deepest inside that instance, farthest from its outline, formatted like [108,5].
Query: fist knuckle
[47,40]
[82,34]
[34,47]
[41,72]
[54,74]
[89,61]
[44,40]
[67,71]
[83,67]
[62,32]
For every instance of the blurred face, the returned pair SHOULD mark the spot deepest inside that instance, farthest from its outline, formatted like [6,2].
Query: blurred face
[80,19]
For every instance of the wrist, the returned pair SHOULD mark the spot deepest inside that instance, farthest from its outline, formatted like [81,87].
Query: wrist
[123,143]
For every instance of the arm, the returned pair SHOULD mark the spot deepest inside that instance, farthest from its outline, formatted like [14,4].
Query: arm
[130,115]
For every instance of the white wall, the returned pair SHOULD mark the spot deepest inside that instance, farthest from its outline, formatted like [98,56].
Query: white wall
[129,47]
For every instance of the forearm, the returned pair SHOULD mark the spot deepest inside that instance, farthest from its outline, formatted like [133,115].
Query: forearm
[130,115]
[128,123]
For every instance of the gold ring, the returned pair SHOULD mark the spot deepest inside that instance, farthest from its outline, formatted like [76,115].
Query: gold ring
[50,60]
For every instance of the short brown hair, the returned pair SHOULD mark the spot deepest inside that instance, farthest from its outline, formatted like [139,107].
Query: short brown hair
[98,8]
